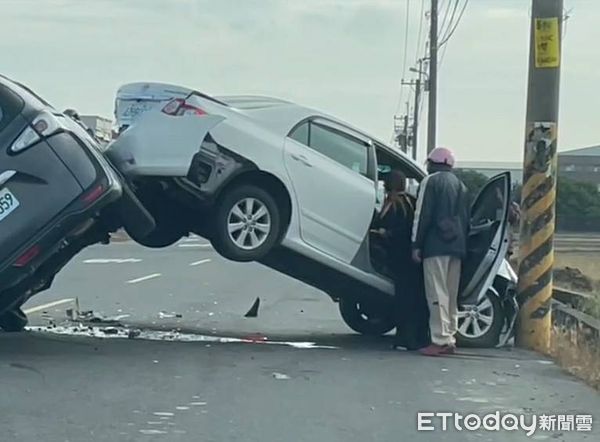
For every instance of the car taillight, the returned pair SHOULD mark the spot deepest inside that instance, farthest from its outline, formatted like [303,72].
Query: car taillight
[27,257]
[93,194]
[44,125]
[178,107]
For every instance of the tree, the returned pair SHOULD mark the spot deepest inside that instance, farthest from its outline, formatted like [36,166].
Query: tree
[473,180]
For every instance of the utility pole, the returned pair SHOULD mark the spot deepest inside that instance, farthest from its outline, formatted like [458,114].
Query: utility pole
[536,252]
[433,65]
[405,131]
[415,125]
[415,143]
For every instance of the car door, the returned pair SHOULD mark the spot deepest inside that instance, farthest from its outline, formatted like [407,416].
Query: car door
[333,173]
[488,238]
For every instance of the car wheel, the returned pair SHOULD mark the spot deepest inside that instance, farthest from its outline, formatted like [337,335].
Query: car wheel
[167,216]
[247,224]
[367,318]
[480,325]
[13,320]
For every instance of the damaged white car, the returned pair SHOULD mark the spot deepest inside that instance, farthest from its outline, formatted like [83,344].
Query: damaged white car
[271,181]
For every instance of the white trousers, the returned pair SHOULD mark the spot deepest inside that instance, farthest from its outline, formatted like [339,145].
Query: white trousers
[442,277]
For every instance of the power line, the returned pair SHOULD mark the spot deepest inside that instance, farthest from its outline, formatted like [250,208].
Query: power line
[444,32]
[448,6]
[422,19]
[445,40]
[405,53]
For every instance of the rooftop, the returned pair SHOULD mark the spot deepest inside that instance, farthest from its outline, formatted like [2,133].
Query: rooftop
[592,151]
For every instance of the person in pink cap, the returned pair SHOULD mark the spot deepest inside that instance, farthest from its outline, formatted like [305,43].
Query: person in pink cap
[439,241]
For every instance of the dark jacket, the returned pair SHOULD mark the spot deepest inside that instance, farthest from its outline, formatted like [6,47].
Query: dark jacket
[442,216]
[397,222]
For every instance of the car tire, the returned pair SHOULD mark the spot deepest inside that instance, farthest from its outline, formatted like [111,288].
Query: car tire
[480,325]
[247,224]
[167,216]
[13,320]
[367,318]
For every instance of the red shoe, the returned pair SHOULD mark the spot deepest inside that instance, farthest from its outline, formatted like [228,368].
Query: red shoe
[449,349]
[432,350]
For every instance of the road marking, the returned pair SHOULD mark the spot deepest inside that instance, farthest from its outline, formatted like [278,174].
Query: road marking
[203,246]
[144,278]
[48,305]
[111,260]
[197,263]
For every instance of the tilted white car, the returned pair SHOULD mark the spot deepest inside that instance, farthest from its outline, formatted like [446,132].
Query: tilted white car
[295,189]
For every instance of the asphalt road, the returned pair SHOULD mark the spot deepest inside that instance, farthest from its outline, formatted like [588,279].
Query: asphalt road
[294,373]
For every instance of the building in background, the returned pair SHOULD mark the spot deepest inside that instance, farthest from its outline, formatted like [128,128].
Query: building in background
[493,168]
[581,165]
[100,126]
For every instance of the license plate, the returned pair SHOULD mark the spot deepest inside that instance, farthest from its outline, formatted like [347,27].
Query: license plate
[8,203]
[130,112]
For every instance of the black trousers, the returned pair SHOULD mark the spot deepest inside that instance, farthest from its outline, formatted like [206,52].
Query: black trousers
[410,304]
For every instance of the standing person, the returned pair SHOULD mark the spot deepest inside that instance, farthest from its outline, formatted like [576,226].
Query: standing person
[393,226]
[439,241]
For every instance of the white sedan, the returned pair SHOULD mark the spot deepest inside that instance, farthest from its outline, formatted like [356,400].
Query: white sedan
[291,187]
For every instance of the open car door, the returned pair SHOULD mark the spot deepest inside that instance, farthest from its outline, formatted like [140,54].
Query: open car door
[488,239]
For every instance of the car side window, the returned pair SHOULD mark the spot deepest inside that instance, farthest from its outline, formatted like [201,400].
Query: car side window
[10,106]
[341,148]
[301,133]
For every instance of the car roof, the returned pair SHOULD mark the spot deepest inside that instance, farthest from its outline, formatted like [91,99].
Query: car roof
[281,116]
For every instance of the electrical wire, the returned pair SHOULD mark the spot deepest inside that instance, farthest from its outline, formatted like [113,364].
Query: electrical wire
[448,6]
[405,58]
[420,34]
[445,40]
[444,32]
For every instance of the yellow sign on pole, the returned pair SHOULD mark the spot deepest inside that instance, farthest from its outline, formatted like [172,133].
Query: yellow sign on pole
[547,46]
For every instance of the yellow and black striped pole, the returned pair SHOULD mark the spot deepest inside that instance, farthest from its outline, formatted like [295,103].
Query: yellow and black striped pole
[536,251]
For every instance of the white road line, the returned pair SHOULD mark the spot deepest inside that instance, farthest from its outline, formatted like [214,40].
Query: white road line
[144,278]
[111,260]
[197,263]
[48,305]
[195,245]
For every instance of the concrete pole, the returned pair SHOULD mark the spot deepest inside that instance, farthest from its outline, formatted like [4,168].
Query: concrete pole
[536,252]
[433,65]
[415,143]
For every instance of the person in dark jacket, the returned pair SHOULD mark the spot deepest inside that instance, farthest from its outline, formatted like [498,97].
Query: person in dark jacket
[439,241]
[393,226]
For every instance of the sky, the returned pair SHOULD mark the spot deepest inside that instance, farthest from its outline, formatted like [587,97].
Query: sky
[345,57]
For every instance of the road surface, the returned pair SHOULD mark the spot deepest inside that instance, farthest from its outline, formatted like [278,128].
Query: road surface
[294,373]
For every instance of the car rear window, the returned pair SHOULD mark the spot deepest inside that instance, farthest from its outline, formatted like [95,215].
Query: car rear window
[10,106]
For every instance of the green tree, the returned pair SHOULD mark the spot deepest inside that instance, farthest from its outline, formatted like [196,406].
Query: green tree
[473,180]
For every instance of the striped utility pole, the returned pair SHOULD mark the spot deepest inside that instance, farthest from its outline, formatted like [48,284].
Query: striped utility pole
[536,250]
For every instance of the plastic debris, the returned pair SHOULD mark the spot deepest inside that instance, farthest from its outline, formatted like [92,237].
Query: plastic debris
[253,312]
[280,376]
[165,315]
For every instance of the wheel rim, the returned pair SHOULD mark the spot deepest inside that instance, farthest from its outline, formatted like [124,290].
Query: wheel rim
[369,313]
[474,321]
[249,223]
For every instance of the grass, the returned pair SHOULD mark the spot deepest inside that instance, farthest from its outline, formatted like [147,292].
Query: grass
[589,265]
[576,354]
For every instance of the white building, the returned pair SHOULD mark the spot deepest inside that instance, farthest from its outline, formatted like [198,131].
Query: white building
[102,127]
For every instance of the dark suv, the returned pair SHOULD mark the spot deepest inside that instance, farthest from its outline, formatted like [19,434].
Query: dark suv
[58,194]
